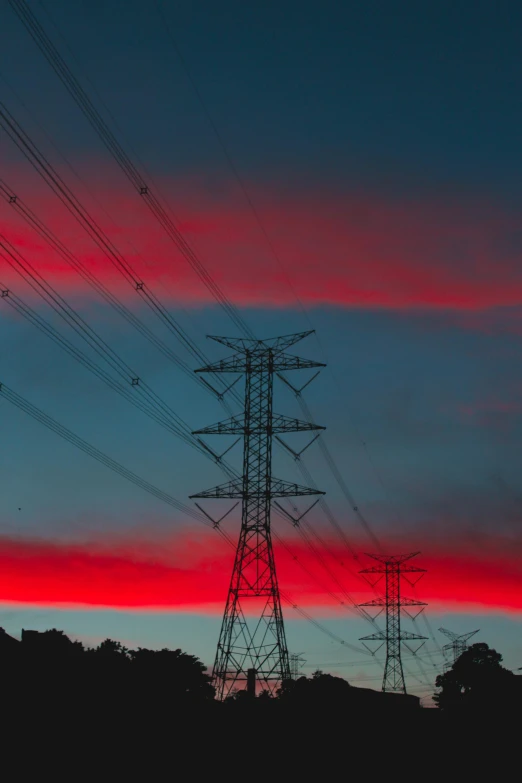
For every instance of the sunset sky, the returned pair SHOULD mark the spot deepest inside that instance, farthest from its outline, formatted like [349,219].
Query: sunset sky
[352,168]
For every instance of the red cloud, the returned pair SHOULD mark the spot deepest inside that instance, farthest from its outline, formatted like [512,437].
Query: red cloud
[191,572]
[356,250]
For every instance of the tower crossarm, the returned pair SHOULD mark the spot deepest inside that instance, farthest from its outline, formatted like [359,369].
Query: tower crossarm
[450,634]
[373,570]
[275,344]
[286,361]
[465,637]
[383,570]
[456,646]
[236,426]
[411,602]
[395,560]
[256,362]
[230,489]
[402,602]
[378,636]
[408,636]
[286,489]
[277,489]
[412,570]
[234,363]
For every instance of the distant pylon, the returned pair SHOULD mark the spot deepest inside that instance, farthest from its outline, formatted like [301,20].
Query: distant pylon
[457,645]
[252,641]
[296,662]
[392,568]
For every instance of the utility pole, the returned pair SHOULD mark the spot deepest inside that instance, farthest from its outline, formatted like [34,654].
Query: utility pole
[457,645]
[252,643]
[393,568]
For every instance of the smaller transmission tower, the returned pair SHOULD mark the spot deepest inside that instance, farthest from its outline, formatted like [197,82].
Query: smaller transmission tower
[456,647]
[393,568]
[296,662]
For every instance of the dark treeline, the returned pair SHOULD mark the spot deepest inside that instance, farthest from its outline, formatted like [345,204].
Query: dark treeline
[110,701]
[59,683]
[50,665]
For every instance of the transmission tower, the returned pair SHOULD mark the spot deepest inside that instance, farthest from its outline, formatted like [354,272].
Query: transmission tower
[457,645]
[252,634]
[393,568]
[296,663]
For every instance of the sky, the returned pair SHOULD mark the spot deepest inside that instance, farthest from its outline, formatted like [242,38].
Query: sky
[355,171]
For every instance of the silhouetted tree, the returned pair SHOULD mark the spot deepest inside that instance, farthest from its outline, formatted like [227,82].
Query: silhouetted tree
[476,681]
[238,696]
[109,649]
[177,674]
[319,688]
[52,644]
[241,696]
[107,666]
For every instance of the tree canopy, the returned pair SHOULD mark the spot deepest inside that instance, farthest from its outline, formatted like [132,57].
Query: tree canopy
[476,681]
[319,687]
[54,665]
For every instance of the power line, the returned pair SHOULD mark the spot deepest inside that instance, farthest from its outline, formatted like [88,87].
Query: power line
[155,406]
[74,206]
[333,596]
[24,405]
[96,454]
[96,120]
[123,160]
[163,418]
[26,311]
[19,206]
[340,480]
[302,612]
[235,172]
[335,637]
[56,183]
[229,160]
[20,138]
[365,663]
[59,429]
[81,98]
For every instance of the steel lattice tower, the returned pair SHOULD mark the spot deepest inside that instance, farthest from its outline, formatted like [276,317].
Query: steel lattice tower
[393,569]
[252,633]
[296,662]
[456,646]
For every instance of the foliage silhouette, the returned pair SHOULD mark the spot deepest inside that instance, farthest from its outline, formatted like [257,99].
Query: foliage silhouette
[51,668]
[52,644]
[179,674]
[476,682]
[319,688]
